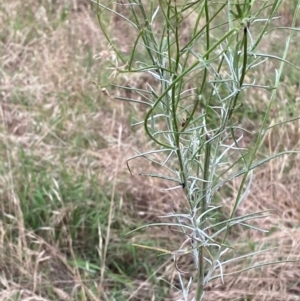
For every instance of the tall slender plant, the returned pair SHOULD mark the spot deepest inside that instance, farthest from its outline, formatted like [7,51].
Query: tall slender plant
[200,82]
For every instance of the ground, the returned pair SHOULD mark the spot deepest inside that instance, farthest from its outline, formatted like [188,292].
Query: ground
[68,200]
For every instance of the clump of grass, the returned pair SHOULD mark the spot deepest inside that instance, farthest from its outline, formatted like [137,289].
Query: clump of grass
[58,138]
[192,101]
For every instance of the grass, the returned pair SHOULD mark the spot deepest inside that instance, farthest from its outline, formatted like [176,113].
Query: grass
[64,146]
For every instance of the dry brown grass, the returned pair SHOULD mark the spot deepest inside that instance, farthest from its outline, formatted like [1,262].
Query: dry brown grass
[49,106]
